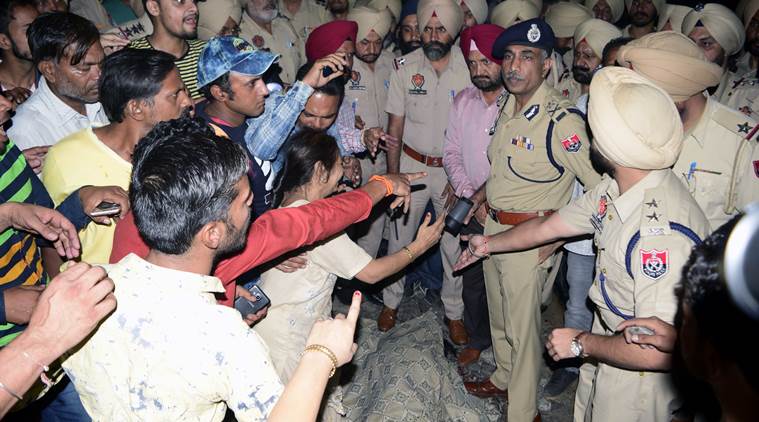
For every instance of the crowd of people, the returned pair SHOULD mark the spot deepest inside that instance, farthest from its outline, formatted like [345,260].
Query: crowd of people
[167,161]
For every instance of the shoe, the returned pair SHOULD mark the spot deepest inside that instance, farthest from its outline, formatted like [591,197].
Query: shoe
[386,319]
[485,389]
[468,356]
[457,332]
[559,381]
[537,418]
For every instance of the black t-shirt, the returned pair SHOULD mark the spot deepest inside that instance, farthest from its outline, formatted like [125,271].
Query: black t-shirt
[260,174]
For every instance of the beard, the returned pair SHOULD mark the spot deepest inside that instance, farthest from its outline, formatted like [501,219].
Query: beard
[338,7]
[752,46]
[266,14]
[600,163]
[18,53]
[236,238]
[436,50]
[582,75]
[408,47]
[368,58]
[486,84]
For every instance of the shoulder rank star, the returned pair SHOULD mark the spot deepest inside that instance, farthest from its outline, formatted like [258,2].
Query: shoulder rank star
[653,217]
[744,128]
[652,204]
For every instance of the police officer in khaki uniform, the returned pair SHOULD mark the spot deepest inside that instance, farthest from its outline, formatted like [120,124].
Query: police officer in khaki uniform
[509,12]
[304,15]
[564,17]
[719,33]
[263,27]
[719,142]
[422,90]
[742,90]
[645,224]
[366,92]
[538,149]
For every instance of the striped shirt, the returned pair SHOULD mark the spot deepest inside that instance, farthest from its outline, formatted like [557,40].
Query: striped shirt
[20,259]
[187,64]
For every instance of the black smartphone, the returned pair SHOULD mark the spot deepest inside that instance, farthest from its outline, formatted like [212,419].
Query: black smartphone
[326,71]
[247,307]
[106,209]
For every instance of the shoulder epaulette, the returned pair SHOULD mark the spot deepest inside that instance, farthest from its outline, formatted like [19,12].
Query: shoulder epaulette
[736,122]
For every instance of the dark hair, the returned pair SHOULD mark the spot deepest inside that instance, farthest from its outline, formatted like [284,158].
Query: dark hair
[334,88]
[52,35]
[222,82]
[183,177]
[6,11]
[132,74]
[719,320]
[612,45]
[305,149]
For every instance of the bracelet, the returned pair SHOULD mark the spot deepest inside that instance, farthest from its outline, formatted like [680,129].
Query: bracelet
[327,352]
[386,181]
[408,252]
[43,377]
[11,392]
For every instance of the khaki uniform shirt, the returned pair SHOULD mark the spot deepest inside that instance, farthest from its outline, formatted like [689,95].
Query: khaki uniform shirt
[709,155]
[568,87]
[537,152]
[424,98]
[367,89]
[310,15]
[740,89]
[644,238]
[282,40]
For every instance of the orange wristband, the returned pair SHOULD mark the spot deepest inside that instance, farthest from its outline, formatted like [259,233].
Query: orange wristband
[383,179]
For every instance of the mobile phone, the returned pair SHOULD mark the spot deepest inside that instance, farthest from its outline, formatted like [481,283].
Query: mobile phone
[247,307]
[326,71]
[637,330]
[106,209]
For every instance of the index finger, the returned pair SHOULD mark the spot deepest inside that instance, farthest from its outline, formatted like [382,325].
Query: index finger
[355,308]
[416,176]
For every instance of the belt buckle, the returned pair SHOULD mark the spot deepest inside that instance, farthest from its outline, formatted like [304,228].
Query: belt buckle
[434,161]
[493,214]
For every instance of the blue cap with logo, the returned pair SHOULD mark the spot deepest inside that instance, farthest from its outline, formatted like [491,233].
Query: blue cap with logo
[531,33]
[232,54]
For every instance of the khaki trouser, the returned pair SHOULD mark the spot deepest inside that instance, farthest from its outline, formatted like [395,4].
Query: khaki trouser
[370,231]
[514,282]
[407,226]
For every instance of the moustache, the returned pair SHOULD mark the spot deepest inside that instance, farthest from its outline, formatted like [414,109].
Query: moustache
[512,75]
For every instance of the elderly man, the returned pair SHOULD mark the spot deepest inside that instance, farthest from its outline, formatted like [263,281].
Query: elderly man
[465,160]
[263,27]
[718,32]
[609,10]
[715,164]
[644,15]
[639,258]
[591,37]
[539,148]
[421,92]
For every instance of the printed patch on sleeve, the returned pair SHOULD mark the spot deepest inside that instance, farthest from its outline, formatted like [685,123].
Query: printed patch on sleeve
[654,263]
[571,143]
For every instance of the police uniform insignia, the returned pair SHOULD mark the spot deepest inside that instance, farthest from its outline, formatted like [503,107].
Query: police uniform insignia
[242,45]
[745,110]
[398,62]
[355,79]
[571,143]
[756,168]
[744,128]
[523,142]
[699,7]
[533,34]
[654,263]
[653,216]
[565,93]
[597,219]
[652,203]
[417,81]
[532,112]
[258,41]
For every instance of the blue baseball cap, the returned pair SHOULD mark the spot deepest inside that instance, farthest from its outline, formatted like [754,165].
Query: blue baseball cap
[232,54]
[531,33]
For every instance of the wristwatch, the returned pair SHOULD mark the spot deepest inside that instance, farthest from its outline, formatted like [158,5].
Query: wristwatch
[576,346]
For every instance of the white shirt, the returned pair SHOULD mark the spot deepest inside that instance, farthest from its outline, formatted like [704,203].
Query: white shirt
[44,119]
[169,352]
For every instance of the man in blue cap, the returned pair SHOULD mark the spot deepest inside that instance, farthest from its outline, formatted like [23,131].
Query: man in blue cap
[538,148]
[230,74]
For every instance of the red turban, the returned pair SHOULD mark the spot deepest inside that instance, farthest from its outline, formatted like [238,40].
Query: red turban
[327,38]
[484,37]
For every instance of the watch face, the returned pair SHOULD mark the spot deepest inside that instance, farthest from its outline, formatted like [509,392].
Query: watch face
[575,348]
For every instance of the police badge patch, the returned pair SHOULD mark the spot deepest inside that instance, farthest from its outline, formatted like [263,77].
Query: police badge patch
[571,143]
[654,263]
[597,219]
[533,35]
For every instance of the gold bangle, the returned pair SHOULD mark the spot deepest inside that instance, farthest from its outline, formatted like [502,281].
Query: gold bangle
[408,252]
[327,352]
